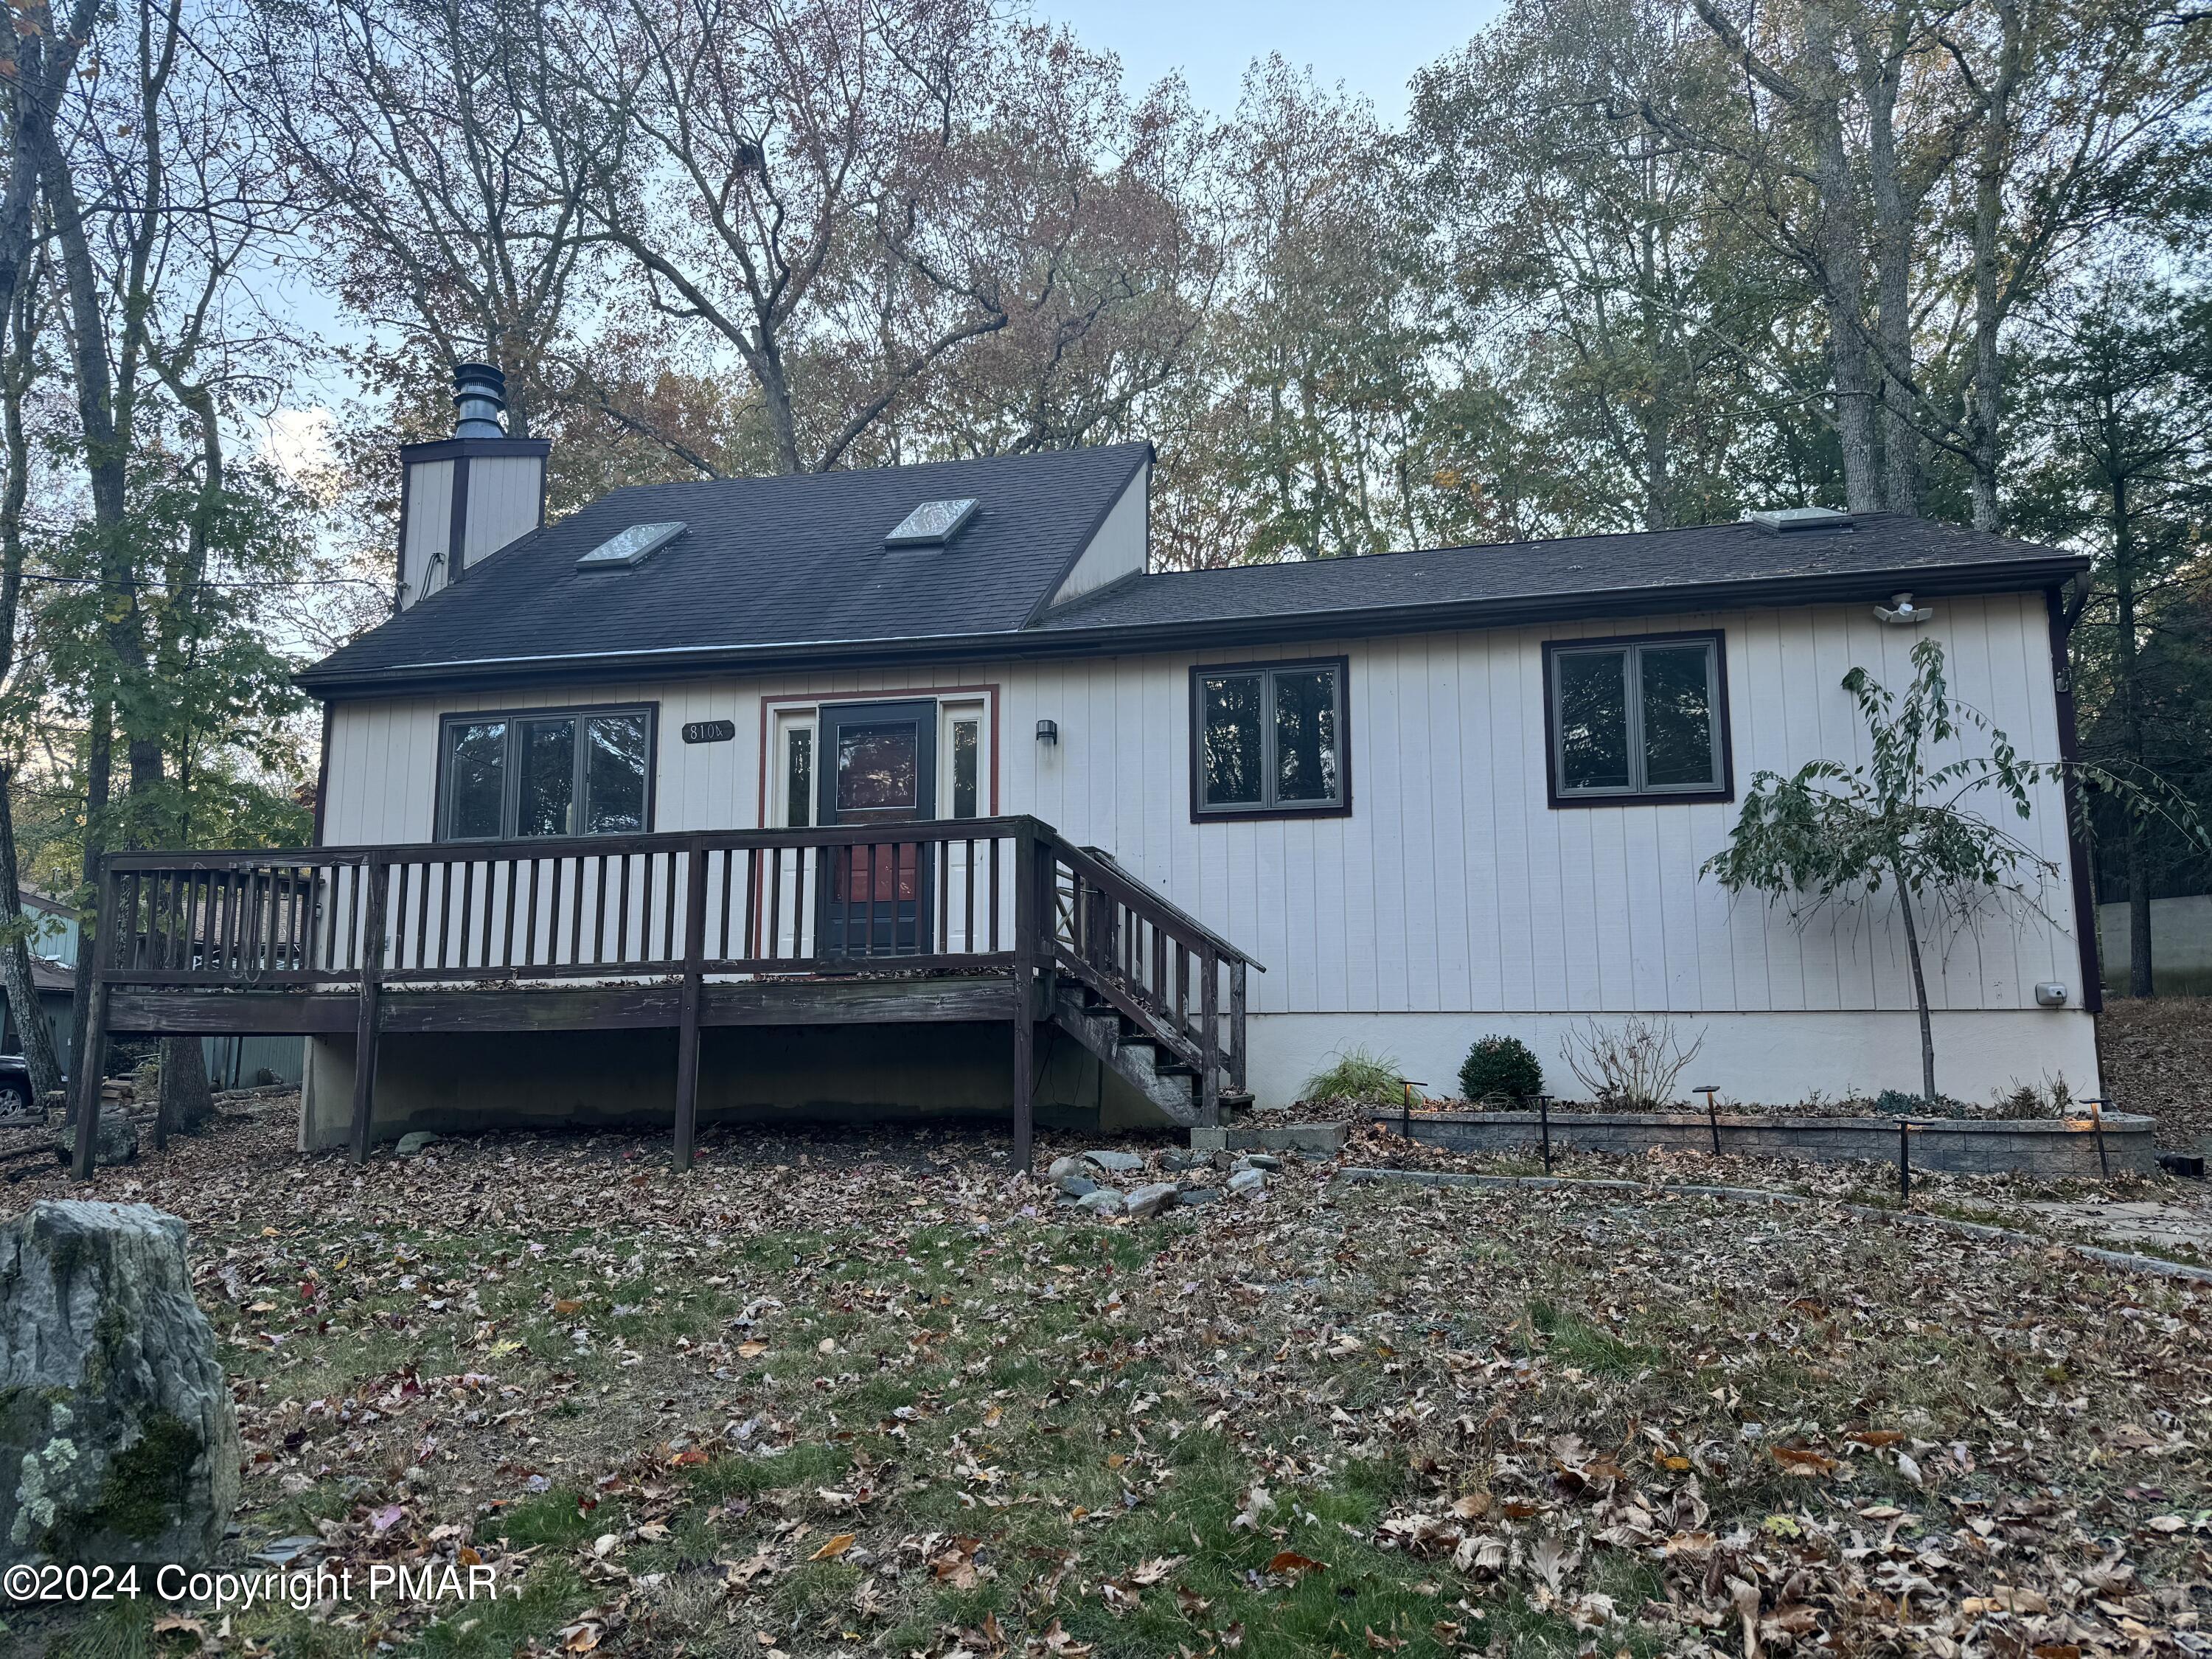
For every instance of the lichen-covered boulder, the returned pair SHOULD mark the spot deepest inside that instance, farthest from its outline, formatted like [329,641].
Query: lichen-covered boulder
[114,1140]
[117,1439]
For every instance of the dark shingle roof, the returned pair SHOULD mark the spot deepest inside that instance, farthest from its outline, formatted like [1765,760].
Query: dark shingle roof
[778,561]
[1576,573]
[793,570]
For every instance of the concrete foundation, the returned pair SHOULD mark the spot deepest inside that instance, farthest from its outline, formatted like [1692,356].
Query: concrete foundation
[2054,1147]
[463,1082]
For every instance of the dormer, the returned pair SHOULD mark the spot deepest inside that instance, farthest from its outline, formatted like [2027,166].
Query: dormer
[464,498]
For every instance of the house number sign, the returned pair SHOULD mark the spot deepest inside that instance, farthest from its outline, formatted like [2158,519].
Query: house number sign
[709,730]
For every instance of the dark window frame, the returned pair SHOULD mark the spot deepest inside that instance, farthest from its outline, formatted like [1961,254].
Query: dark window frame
[511,781]
[1725,791]
[1339,808]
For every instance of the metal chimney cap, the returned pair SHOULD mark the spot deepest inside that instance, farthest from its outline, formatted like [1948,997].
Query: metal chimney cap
[479,400]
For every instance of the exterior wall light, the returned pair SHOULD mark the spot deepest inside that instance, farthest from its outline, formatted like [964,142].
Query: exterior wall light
[1048,732]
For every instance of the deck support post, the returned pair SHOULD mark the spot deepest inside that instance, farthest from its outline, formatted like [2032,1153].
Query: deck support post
[92,1064]
[1236,1060]
[1029,876]
[1209,1039]
[687,1029]
[376,875]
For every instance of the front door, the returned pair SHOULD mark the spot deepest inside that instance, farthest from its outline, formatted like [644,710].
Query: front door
[877,766]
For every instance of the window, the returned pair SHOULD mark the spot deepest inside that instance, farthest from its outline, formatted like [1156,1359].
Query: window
[550,772]
[1634,719]
[798,775]
[964,769]
[1269,740]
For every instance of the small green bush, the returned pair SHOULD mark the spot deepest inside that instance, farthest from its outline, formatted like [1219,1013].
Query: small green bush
[1896,1102]
[1500,1065]
[1360,1076]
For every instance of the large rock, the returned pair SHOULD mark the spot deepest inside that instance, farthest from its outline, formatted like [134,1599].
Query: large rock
[118,1440]
[1150,1199]
[114,1140]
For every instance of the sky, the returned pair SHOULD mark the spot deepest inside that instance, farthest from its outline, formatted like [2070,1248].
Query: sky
[1373,48]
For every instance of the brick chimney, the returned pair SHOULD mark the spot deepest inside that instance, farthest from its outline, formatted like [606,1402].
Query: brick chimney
[463,498]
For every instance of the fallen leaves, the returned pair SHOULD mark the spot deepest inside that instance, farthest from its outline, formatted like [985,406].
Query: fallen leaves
[1807,1434]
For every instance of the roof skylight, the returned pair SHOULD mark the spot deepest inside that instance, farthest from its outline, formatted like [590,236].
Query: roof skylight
[1781,520]
[631,546]
[932,523]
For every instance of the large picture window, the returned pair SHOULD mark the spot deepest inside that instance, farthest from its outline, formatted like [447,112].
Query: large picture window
[545,772]
[1270,739]
[1638,719]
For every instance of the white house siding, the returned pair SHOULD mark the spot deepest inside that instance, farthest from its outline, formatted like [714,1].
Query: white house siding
[429,528]
[504,494]
[1453,901]
[1117,550]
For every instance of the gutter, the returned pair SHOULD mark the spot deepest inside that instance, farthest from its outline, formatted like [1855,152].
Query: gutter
[2007,577]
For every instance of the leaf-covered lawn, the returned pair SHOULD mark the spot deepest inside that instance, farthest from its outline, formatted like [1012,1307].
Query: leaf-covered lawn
[883,1399]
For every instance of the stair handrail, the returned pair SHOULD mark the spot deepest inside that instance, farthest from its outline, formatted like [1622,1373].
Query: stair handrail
[1138,895]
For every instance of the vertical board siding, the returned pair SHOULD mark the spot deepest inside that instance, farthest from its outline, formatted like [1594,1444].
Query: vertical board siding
[1453,886]
[503,498]
[429,527]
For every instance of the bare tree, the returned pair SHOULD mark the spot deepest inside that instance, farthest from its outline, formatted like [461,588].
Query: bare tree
[431,177]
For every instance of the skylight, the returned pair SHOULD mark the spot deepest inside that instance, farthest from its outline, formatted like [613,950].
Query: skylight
[1781,520]
[630,547]
[932,523]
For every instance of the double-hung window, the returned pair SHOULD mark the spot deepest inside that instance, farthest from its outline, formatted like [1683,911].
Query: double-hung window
[545,772]
[1638,719]
[1269,740]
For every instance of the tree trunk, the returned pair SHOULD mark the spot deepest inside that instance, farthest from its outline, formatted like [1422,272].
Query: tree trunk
[2127,662]
[1879,75]
[99,760]
[15,960]
[1985,386]
[1919,994]
[187,1101]
[1843,262]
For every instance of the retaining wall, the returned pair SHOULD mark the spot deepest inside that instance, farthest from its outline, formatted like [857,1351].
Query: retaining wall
[2045,1146]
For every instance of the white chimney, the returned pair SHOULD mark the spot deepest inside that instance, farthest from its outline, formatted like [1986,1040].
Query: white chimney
[463,498]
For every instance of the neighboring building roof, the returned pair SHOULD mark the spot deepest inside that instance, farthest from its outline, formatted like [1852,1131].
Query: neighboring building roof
[793,571]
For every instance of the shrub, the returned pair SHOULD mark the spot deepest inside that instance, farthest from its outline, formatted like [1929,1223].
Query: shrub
[1500,1065]
[1897,1103]
[1634,1065]
[1359,1075]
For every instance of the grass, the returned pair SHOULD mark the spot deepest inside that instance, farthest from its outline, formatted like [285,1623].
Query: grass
[1359,1075]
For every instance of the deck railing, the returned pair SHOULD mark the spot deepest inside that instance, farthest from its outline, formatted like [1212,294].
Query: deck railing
[1006,893]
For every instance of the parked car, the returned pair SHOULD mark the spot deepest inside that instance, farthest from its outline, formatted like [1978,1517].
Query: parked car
[16,1097]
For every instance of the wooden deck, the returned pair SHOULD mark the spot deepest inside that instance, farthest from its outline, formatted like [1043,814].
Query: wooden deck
[973,920]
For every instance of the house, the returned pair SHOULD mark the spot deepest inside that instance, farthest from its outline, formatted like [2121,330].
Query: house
[839,777]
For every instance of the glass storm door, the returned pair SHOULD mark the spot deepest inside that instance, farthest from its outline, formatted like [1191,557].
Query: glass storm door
[876,766]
